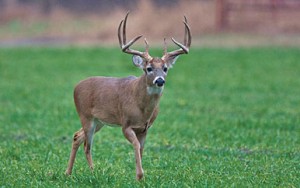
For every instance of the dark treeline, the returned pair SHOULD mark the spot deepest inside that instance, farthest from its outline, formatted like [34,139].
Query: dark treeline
[83,5]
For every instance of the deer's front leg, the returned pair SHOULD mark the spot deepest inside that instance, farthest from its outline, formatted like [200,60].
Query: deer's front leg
[142,137]
[132,138]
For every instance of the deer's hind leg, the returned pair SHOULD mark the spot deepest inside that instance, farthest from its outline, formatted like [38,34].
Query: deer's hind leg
[77,141]
[90,128]
[85,134]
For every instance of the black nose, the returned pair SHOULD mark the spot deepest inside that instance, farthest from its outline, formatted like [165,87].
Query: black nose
[160,82]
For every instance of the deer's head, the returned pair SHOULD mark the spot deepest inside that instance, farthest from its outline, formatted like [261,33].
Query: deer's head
[155,68]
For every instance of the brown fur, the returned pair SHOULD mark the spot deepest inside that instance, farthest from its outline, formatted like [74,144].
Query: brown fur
[115,101]
[118,101]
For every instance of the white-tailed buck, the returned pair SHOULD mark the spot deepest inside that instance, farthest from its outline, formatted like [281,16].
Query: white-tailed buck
[131,103]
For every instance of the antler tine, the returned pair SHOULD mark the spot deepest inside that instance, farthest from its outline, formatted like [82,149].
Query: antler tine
[185,31]
[119,34]
[123,44]
[165,46]
[184,48]
[189,37]
[126,47]
[124,28]
[147,46]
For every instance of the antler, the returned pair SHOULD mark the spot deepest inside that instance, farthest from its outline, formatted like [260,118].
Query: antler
[126,47]
[184,48]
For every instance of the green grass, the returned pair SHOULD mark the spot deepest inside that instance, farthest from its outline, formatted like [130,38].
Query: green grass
[228,118]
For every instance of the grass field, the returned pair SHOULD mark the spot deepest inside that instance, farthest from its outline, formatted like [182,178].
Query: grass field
[228,118]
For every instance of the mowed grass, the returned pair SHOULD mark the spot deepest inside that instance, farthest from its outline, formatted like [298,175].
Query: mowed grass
[228,118]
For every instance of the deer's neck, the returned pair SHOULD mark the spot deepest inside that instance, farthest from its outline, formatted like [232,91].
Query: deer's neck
[147,96]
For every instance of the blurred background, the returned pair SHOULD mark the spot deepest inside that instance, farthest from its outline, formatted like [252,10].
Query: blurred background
[94,22]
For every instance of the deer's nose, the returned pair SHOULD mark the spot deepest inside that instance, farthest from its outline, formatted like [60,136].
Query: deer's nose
[159,81]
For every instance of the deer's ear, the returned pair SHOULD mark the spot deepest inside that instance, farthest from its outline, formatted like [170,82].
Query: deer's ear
[170,61]
[138,61]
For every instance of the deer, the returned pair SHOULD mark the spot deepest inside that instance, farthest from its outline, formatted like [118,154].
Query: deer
[131,103]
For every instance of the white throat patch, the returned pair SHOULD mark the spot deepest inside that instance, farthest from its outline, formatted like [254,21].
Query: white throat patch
[154,90]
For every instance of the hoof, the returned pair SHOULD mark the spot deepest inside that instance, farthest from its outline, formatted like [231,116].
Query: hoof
[139,176]
[68,173]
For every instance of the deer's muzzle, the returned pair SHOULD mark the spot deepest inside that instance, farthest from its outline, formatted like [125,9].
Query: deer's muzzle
[159,81]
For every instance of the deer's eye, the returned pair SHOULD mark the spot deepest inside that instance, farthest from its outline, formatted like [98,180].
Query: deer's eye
[165,69]
[149,69]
